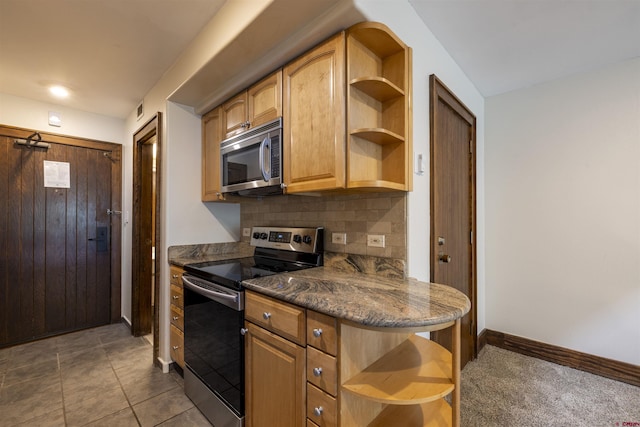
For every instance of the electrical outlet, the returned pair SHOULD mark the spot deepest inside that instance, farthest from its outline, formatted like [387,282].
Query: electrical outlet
[246,232]
[339,238]
[375,240]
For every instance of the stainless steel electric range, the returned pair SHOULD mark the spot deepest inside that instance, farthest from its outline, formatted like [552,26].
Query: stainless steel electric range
[214,316]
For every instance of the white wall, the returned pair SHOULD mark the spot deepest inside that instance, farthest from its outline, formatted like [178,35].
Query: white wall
[29,114]
[563,212]
[429,57]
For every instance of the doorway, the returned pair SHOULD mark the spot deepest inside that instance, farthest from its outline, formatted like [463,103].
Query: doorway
[146,230]
[453,207]
[60,234]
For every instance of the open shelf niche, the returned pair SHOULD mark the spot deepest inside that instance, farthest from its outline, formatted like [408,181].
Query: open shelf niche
[378,109]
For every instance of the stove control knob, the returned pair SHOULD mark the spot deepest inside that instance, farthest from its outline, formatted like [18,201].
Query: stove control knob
[307,239]
[297,238]
[256,235]
[263,236]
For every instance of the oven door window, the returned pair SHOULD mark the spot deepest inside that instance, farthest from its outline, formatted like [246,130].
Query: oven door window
[213,347]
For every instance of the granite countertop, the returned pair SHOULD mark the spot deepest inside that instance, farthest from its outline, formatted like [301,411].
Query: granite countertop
[187,254]
[365,299]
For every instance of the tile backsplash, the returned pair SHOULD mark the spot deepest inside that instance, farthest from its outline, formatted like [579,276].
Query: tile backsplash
[354,214]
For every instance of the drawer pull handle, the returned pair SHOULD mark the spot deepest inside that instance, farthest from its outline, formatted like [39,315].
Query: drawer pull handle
[318,410]
[317,371]
[175,317]
[266,315]
[317,332]
[175,347]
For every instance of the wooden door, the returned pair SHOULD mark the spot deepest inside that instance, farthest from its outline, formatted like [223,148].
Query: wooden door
[146,229]
[234,115]
[314,119]
[59,246]
[275,392]
[264,100]
[453,259]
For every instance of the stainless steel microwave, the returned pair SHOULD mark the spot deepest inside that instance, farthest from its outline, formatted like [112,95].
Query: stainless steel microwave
[251,162]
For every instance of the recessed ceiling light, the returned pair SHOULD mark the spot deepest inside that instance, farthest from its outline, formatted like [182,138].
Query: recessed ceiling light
[59,91]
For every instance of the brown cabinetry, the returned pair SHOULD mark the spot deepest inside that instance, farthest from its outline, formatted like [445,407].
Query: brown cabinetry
[211,138]
[378,108]
[424,373]
[259,104]
[176,311]
[322,370]
[314,119]
[275,392]
[347,105]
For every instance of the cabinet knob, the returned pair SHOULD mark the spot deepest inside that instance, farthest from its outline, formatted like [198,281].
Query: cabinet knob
[317,332]
[176,296]
[243,331]
[266,315]
[175,347]
[175,276]
[175,317]
[318,410]
[317,371]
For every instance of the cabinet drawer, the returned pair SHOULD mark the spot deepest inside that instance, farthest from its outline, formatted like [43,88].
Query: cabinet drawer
[176,297]
[177,317]
[321,332]
[279,317]
[321,408]
[175,276]
[322,371]
[176,341]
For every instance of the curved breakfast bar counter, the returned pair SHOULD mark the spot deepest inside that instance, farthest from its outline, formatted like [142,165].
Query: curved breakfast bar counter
[386,372]
[367,300]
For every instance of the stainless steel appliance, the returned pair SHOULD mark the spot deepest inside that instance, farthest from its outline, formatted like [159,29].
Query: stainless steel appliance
[214,316]
[251,163]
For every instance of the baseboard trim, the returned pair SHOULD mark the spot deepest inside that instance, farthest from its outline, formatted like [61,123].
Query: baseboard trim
[619,371]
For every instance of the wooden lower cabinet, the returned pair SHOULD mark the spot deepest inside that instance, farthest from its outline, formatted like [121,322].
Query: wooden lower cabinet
[176,311]
[275,393]
[347,375]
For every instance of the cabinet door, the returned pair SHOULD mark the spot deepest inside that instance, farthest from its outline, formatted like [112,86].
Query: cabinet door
[314,118]
[211,137]
[234,115]
[275,392]
[264,100]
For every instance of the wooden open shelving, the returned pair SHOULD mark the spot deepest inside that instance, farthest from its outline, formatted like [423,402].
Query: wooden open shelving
[416,371]
[378,109]
[398,375]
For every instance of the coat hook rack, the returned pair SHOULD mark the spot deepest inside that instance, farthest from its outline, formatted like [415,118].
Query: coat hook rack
[33,140]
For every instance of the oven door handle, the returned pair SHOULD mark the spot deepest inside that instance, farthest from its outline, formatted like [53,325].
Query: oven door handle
[208,293]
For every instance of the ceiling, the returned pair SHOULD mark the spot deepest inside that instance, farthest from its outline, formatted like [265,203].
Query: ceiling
[503,45]
[110,53]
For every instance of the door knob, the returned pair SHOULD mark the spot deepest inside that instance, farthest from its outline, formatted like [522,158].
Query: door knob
[442,257]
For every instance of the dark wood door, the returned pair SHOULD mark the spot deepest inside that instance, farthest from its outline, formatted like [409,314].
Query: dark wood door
[453,206]
[55,243]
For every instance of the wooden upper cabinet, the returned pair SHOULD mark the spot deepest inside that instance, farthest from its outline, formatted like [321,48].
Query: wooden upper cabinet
[211,138]
[264,100]
[234,115]
[259,104]
[314,118]
[379,125]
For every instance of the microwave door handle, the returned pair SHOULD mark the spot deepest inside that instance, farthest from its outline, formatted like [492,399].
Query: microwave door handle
[266,174]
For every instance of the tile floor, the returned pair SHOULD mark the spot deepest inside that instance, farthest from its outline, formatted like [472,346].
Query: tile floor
[97,377]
